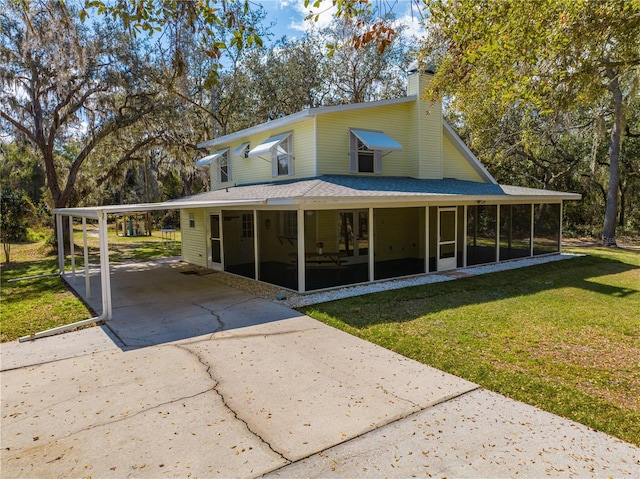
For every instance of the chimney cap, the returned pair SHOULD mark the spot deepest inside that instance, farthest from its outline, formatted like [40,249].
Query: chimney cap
[416,67]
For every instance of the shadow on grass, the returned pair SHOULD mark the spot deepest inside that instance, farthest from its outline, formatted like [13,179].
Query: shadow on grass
[407,304]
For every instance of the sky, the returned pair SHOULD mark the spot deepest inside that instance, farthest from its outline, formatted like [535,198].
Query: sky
[289,15]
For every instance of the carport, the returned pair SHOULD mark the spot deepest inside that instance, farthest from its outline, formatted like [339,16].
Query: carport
[101,214]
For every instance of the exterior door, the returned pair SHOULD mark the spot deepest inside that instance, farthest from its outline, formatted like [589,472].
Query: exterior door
[447,234]
[353,235]
[216,242]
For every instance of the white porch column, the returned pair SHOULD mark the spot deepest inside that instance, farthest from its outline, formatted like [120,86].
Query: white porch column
[560,232]
[464,237]
[87,279]
[104,265]
[72,250]
[256,249]
[532,226]
[498,207]
[426,239]
[301,256]
[372,252]
[60,238]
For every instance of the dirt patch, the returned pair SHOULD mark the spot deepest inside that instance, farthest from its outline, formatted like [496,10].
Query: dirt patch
[612,368]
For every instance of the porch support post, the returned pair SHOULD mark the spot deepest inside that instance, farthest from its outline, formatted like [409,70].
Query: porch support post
[560,232]
[426,238]
[60,238]
[372,251]
[72,250]
[104,265]
[87,279]
[532,226]
[301,256]
[256,249]
[498,208]
[464,238]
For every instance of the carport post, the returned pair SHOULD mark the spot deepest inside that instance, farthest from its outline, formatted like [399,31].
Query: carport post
[87,279]
[104,265]
[72,250]
[301,257]
[60,244]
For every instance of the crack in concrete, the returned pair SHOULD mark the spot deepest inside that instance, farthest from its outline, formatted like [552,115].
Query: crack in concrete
[215,315]
[437,403]
[229,408]
[120,419]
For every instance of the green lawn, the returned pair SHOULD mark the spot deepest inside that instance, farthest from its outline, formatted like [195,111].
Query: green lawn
[563,336]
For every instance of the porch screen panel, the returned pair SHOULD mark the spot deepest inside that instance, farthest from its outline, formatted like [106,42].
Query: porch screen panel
[481,234]
[239,251]
[546,228]
[399,242]
[515,231]
[278,248]
[336,248]
[460,237]
[433,238]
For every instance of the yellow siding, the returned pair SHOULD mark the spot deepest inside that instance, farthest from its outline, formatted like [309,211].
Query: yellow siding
[333,138]
[194,242]
[455,165]
[256,170]
[429,123]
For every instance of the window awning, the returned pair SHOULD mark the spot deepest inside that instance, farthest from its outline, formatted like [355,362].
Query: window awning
[376,140]
[213,156]
[266,146]
[240,150]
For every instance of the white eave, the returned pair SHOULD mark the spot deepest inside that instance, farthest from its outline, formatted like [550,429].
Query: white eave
[97,211]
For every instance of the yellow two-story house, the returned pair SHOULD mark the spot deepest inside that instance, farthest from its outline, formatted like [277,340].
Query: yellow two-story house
[356,193]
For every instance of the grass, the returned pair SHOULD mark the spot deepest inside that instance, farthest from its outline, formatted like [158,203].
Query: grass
[38,304]
[563,336]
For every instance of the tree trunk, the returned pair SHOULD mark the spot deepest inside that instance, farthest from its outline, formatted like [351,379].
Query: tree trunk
[611,208]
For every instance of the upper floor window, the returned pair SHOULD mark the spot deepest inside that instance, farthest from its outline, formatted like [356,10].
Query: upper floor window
[224,170]
[367,148]
[280,148]
[220,164]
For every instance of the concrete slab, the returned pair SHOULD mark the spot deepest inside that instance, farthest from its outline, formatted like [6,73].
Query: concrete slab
[153,412]
[200,379]
[76,343]
[479,434]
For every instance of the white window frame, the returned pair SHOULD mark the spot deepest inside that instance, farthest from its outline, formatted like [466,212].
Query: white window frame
[247,225]
[222,161]
[282,150]
[357,147]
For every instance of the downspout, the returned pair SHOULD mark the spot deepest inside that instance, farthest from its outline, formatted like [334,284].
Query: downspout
[105,282]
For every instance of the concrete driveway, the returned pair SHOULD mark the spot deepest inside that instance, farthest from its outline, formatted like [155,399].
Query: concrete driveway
[196,379]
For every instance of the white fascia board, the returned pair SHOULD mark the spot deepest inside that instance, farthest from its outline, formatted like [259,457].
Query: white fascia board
[467,153]
[95,212]
[377,140]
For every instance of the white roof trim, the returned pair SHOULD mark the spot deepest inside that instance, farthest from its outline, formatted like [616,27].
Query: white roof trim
[213,156]
[96,211]
[267,145]
[377,140]
[301,116]
[466,153]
